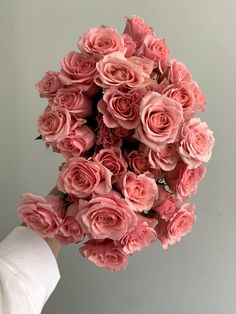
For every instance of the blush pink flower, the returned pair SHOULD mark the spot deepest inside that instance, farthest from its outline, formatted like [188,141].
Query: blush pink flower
[179,72]
[116,70]
[43,215]
[49,84]
[141,236]
[121,108]
[74,101]
[137,29]
[166,158]
[77,142]
[102,40]
[81,177]
[140,191]
[105,136]
[161,119]
[196,143]
[54,125]
[70,230]
[79,70]
[166,205]
[143,62]
[183,181]
[181,223]
[107,216]
[154,49]
[105,254]
[113,160]
[129,44]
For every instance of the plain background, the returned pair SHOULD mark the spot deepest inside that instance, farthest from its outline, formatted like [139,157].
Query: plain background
[199,274]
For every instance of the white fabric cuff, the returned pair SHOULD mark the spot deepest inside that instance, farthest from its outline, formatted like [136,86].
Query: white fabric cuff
[25,253]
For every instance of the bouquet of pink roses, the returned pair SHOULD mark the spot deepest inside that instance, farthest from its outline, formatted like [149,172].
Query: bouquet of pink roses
[121,112]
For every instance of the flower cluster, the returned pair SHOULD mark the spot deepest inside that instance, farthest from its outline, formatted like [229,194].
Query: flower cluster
[121,112]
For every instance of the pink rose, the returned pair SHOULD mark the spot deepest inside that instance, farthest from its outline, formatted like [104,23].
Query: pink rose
[42,214]
[142,235]
[179,72]
[138,163]
[77,142]
[121,108]
[107,216]
[200,99]
[196,143]
[140,191]
[154,48]
[80,177]
[129,44]
[70,230]
[189,96]
[166,205]
[183,181]
[180,224]
[103,40]
[166,158]
[104,254]
[72,100]
[113,160]
[49,84]
[105,136]
[143,62]
[115,70]
[183,94]
[54,125]
[79,70]
[161,119]
[137,29]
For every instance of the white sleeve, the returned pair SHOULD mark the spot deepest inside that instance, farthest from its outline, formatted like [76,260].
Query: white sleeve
[28,272]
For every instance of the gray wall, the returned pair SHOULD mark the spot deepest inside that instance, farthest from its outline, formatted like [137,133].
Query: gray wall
[198,276]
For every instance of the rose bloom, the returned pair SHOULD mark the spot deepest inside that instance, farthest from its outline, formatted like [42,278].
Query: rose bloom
[137,161]
[103,40]
[49,84]
[154,48]
[166,205]
[113,160]
[115,70]
[161,119]
[183,181]
[145,63]
[79,70]
[74,101]
[129,44]
[107,216]
[196,143]
[179,72]
[80,177]
[142,235]
[140,191]
[183,94]
[137,29]
[105,136]
[180,224]
[121,108]
[166,158]
[105,254]
[70,230]
[77,142]
[43,215]
[54,125]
